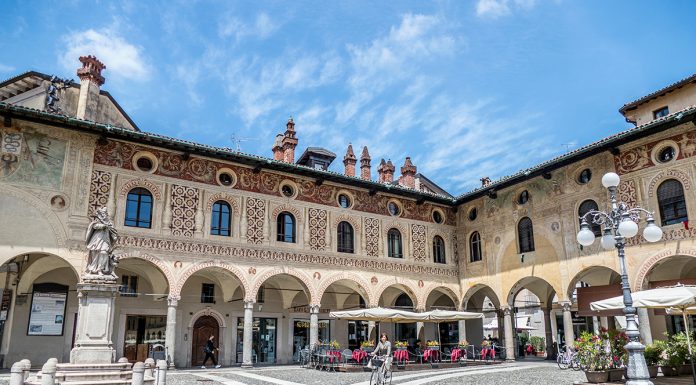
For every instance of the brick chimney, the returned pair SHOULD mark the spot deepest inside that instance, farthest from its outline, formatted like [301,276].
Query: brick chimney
[389,172]
[380,171]
[349,161]
[90,81]
[408,174]
[278,148]
[289,142]
[365,164]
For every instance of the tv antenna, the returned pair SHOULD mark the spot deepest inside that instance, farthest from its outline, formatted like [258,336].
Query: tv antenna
[237,141]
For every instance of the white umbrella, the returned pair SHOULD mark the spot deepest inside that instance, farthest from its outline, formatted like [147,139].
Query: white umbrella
[679,299]
[449,315]
[380,314]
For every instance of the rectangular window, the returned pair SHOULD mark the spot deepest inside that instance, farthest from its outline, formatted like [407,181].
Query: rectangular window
[208,293]
[129,286]
[660,112]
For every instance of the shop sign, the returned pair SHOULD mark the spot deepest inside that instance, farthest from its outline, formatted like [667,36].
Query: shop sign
[305,309]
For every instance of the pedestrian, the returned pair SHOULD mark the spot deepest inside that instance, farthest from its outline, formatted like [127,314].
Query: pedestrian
[209,350]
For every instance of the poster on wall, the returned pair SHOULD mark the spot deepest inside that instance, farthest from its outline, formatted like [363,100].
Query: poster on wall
[47,314]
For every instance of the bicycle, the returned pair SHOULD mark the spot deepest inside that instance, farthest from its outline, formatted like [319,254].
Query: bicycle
[381,371]
[568,359]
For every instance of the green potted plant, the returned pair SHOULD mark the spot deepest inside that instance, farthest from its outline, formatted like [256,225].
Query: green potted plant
[653,354]
[680,348]
[669,362]
[615,341]
[539,345]
[593,357]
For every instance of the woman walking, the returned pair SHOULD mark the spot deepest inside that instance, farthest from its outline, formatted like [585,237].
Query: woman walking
[209,350]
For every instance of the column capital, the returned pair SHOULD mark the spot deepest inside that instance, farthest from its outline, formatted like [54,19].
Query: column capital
[506,310]
[249,304]
[314,309]
[173,300]
[566,305]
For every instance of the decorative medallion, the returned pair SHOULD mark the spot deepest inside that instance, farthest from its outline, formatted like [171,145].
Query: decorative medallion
[374,280]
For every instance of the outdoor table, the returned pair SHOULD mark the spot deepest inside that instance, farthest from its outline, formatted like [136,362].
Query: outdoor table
[431,352]
[359,355]
[334,354]
[486,351]
[401,355]
[458,353]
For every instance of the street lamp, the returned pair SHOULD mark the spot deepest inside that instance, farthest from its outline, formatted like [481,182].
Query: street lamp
[621,223]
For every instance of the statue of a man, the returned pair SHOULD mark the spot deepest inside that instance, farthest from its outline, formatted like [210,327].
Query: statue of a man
[101,238]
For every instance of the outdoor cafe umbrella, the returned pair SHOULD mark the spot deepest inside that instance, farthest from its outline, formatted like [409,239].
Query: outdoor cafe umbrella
[676,299]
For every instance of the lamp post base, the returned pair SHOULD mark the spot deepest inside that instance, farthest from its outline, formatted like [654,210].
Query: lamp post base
[637,369]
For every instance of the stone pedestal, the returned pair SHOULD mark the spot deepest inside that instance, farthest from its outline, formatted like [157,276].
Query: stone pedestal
[95,316]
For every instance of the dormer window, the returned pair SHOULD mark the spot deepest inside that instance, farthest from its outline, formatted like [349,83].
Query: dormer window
[660,112]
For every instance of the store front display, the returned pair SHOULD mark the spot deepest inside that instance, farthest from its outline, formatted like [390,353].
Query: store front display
[300,332]
[263,340]
[357,333]
[144,336]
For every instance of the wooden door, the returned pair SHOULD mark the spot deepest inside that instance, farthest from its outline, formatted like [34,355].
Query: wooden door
[204,327]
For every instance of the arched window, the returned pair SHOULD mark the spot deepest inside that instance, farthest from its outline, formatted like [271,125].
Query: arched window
[439,249]
[394,248]
[286,227]
[670,198]
[221,219]
[345,238]
[139,208]
[403,302]
[525,235]
[475,247]
[586,207]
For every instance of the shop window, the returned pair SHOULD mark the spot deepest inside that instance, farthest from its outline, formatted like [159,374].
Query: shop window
[345,238]
[129,286]
[586,207]
[286,227]
[670,198]
[263,348]
[525,235]
[394,247]
[439,249]
[208,293]
[220,220]
[144,337]
[139,208]
[475,247]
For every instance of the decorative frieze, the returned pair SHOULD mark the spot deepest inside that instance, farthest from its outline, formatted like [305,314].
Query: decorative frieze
[208,249]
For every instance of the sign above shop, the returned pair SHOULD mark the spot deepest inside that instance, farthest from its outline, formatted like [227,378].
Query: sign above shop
[305,309]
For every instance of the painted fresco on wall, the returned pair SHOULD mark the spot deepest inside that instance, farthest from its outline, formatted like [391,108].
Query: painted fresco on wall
[32,159]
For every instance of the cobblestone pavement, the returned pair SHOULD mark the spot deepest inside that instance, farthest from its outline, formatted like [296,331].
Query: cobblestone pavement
[519,373]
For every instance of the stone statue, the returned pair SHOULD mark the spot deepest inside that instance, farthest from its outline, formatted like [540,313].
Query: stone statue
[101,239]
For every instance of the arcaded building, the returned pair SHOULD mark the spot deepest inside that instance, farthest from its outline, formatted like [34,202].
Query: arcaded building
[209,234]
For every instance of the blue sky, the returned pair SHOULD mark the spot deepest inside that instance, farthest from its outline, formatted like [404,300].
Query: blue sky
[466,88]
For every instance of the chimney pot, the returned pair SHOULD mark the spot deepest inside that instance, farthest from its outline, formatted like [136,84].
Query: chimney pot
[365,164]
[349,161]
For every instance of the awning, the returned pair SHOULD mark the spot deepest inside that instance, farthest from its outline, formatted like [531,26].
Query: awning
[381,314]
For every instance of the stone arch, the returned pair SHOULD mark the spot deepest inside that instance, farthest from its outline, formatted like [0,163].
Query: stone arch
[640,281]
[208,311]
[36,269]
[303,278]
[186,274]
[347,218]
[348,277]
[534,284]
[59,232]
[425,294]
[409,290]
[583,273]
[483,289]
[222,197]
[144,183]
[291,209]
[161,265]
[663,175]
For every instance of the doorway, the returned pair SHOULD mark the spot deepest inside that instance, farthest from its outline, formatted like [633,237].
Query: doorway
[204,327]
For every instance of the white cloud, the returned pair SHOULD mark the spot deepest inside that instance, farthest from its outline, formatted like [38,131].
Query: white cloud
[262,28]
[497,8]
[123,60]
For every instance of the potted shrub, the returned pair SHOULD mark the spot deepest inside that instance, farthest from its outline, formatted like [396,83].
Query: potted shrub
[367,346]
[615,341]
[669,362]
[593,357]
[680,348]
[539,345]
[653,353]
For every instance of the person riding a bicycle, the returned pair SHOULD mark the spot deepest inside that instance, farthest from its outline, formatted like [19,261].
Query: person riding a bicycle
[381,356]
